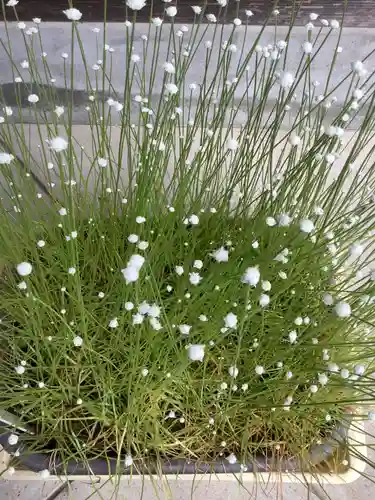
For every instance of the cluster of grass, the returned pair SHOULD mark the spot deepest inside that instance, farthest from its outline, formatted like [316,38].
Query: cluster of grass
[96,376]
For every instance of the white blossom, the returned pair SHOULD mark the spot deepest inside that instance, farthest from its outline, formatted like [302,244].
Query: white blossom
[345,373]
[233,371]
[322,378]
[313,388]
[59,110]
[196,352]
[136,261]
[113,323]
[179,270]
[171,88]
[73,14]
[270,221]
[33,98]
[306,226]
[230,320]
[155,323]
[328,299]
[196,9]
[138,318]
[169,68]
[220,255]
[286,80]
[13,439]
[284,220]
[202,317]
[78,341]
[294,140]
[343,309]
[102,162]
[334,24]
[140,219]
[129,459]
[72,271]
[266,286]
[232,459]
[156,21]
[58,144]
[292,336]
[171,11]
[211,18]
[259,370]
[194,220]
[24,269]
[144,372]
[136,4]
[264,300]
[22,285]
[12,3]
[359,68]
[184,329]
[251,276]
[307,47]
[5,158]
[20,370]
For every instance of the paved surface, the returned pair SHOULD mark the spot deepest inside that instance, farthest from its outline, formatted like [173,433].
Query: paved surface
[358,12]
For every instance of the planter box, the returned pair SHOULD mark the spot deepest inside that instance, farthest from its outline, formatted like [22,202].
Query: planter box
[261,468]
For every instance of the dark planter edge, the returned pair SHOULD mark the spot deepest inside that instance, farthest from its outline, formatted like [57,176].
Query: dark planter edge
[37,462]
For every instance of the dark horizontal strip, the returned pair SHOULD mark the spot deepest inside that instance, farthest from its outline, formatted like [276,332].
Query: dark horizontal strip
[359,13]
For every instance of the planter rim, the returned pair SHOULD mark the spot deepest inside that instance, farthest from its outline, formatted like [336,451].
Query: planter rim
[261,467]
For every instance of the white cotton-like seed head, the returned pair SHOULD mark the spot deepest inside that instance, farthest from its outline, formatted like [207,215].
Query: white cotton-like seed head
[33,98]
[196,9]
[24,269]
[22,285]
[169,68]
[20,370]
[230,320]
[58,144]
[286,80]
[343,309]
[41,385]
[45,473]
[136,261]
[195,278]
[292,336]
[259,370]
[144,372]
[137,318]
[198,264]
[356,250]
[196,352]
[184,329]
[306,226]
[266,286]
[41,243]
[133,238]
[131,274]
[232,459]
[328,299]
[72,271]
[357,94]
[73,14]
[13,439]
[136,4]
[102,162]
[211,18]
[155,323]
[307,47]
[359,370]
[233,371]
[251,276]
[334,24]
[202,317]
[144,308]
[313,16]
[232,48]
[129,306]
[140,219]
[332,367]
[345,373]
[5,158]
[129,459]
[264,300]
[284,220]
[294,140]
[101,295]
[322,378]
[63,211]
[313,388]
[220,255]
[270,221]
[194,220]
[113,323]
[298,321]
[171,11]
[78,341]
[154,311]
[179,270]
[171,88]
[232,144]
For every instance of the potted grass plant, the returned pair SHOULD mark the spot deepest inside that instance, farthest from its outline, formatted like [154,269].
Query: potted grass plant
[186,245]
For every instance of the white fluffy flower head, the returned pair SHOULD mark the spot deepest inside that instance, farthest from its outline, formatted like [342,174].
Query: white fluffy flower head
[196,352]
[251,276]
[24,269]
[220,255]
[73,14]
[230,320]
[58,144]
[136,4]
